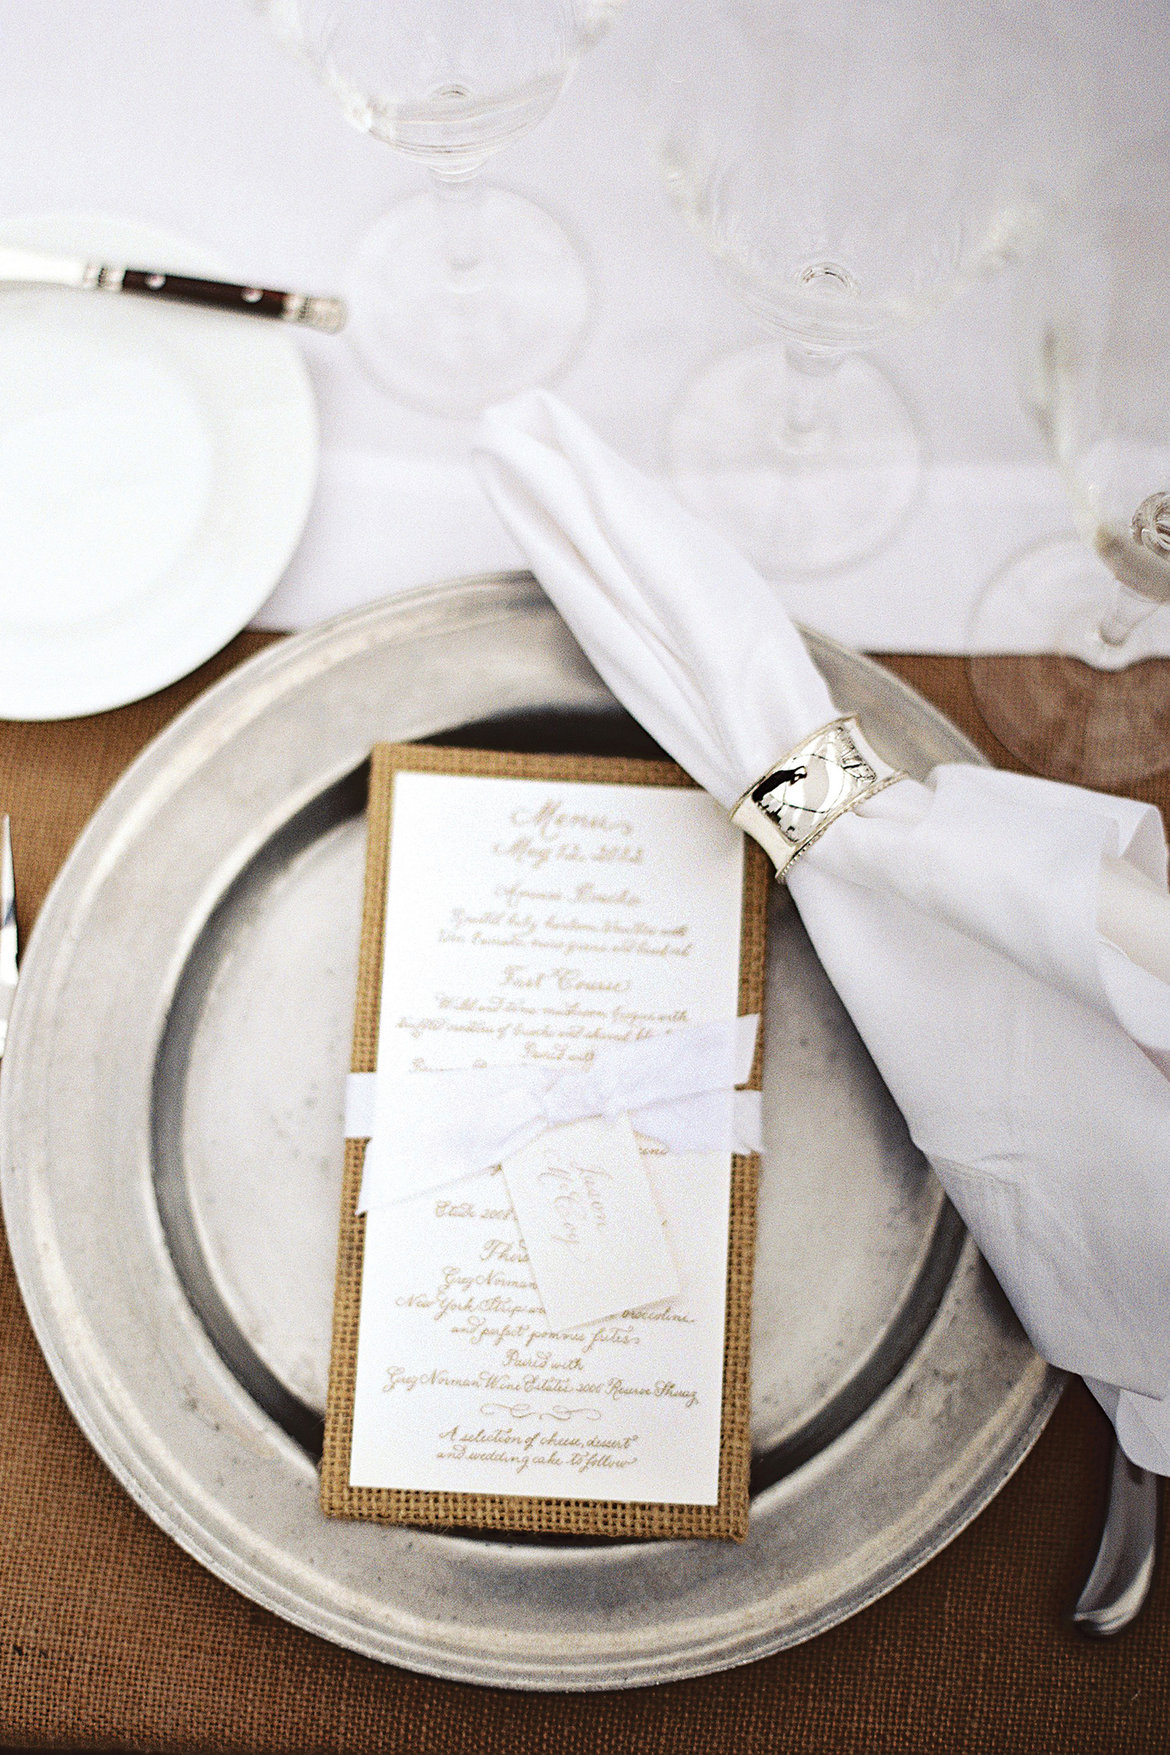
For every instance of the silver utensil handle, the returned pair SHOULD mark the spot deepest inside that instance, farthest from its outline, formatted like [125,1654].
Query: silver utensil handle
[1123,1571]
[8,934]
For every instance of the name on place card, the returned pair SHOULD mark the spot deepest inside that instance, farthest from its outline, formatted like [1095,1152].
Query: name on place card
[593,1236]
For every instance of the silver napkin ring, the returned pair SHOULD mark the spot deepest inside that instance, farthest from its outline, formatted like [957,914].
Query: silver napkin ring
[792,805]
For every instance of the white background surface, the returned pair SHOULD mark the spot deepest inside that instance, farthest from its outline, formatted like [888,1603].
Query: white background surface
[187,115]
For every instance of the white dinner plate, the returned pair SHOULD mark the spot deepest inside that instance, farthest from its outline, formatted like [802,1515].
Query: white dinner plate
[157,464]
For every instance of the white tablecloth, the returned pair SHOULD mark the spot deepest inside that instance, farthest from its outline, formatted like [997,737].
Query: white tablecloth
[185,114]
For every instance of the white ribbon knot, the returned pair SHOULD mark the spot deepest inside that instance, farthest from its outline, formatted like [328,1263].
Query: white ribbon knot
[427,1129]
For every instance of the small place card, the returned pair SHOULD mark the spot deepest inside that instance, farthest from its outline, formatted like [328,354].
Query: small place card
[559,1341]
[593,1236]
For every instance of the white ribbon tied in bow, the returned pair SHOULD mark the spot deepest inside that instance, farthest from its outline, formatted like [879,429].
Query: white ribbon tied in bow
[428,1129]
[1001,942]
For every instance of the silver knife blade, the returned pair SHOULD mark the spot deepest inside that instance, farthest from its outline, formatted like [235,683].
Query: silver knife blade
[1123,1571]
[30,268]
[9,946]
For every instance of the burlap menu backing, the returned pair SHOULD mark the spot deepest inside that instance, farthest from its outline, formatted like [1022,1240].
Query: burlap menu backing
[622,1519]
[111,1637]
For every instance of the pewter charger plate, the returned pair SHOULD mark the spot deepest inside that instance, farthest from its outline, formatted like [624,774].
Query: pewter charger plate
[170,1155]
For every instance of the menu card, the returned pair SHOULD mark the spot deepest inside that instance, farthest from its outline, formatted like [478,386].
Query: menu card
[533,912]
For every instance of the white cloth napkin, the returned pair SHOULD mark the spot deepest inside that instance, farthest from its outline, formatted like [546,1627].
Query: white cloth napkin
[958,920]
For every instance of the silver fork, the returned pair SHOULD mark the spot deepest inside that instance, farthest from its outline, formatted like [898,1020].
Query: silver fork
[8,939]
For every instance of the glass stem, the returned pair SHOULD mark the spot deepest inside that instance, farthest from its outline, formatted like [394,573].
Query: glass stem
[459,202]
[1129,610]
[806,422]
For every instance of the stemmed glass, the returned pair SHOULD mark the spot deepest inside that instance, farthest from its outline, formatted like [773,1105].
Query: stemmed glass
[1094,327]
[463,293]
[851,164]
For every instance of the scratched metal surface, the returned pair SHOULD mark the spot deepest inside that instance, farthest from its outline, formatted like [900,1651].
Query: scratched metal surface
[170,1151]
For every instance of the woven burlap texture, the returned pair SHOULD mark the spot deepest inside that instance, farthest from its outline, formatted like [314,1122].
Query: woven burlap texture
[111,1637]
[621,1519]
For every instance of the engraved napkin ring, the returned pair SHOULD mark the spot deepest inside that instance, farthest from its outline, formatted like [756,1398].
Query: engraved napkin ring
[792,805]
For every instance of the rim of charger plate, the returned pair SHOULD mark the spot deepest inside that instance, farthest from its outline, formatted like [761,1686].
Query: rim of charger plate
[95,1413]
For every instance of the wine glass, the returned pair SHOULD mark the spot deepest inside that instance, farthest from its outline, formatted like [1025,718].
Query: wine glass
[463,293]
[1094,331]
[851,164]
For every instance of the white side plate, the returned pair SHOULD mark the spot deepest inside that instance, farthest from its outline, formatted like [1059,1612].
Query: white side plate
[157,464]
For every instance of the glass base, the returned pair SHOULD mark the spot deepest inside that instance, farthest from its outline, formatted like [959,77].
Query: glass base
[1087,712]
[452,343]
[807,507]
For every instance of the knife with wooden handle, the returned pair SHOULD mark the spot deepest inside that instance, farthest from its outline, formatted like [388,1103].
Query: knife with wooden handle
[31,268]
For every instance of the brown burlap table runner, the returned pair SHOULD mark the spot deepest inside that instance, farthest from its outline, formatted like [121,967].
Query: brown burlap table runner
[111,1637]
